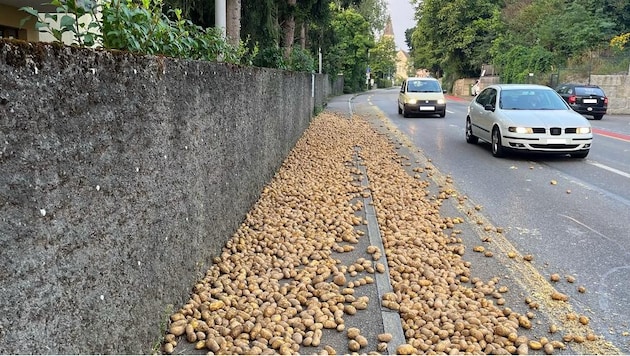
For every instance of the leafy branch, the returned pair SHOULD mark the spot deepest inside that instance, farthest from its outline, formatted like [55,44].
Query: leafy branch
[141,28]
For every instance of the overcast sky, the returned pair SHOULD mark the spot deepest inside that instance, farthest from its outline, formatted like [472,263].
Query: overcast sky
[402,12]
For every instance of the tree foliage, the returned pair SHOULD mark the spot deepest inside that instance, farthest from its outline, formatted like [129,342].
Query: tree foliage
[454,36]
[353,39]
[519,36]
[285,34]
[382,60]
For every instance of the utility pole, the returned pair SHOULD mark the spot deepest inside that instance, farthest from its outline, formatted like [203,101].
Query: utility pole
[220,20]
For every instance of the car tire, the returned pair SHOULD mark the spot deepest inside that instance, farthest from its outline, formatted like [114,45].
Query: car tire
[404,112]
[399,109]
[443,113]
[495,144]
[470,138]
[598,117]
[580,154]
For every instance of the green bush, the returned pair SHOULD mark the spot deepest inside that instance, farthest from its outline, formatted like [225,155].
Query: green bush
[301,60]
[270,57]
[142,28]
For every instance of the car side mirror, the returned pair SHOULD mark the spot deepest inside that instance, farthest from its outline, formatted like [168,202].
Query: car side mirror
[443,91]
[488,107]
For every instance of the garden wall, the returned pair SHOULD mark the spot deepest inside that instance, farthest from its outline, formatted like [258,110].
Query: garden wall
[121,177]
[617,88]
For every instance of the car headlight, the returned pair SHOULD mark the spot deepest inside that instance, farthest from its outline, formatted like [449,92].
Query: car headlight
[441,101]
[583,130]
[412,101]
[521,130]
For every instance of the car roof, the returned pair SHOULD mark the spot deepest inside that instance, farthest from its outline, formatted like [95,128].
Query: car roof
[519,86]
[421,78]
[580,85]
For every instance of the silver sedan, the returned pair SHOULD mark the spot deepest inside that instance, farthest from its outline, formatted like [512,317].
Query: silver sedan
[527,117]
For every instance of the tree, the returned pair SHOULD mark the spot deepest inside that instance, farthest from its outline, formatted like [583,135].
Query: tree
[233,21]
[454,35]
[352,40]
[382,60]
[374,12]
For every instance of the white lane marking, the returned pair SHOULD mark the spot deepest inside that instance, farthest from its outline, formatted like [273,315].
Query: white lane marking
[610,169]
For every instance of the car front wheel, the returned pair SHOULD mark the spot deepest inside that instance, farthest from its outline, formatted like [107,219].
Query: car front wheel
[470,138]
[399,109]
[598,117]
[497,149]
[404,112]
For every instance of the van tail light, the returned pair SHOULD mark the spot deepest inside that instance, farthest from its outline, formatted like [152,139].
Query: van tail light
[572,99]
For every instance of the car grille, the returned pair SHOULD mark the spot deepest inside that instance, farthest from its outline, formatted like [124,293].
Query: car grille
[555,146]
[555,130]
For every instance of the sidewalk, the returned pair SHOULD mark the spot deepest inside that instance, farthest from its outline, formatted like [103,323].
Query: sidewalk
[360,245]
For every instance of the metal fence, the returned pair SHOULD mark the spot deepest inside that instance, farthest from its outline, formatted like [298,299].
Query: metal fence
[597,64]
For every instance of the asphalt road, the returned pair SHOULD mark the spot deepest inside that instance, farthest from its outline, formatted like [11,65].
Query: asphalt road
[572,215]
[516,226]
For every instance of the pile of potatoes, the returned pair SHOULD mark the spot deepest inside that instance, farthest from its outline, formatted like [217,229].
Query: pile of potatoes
[277,286]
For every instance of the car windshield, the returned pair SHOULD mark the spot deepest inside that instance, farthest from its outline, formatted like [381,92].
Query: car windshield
[423,86]
[530,99]
[587,91]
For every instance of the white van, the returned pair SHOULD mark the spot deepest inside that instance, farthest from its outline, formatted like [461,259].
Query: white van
[421,96]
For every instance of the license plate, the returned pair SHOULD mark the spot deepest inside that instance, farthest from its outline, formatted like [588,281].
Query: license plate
[427,108]
[589,101]
[552,141]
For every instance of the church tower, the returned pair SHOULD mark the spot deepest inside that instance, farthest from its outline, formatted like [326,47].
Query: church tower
[389,28]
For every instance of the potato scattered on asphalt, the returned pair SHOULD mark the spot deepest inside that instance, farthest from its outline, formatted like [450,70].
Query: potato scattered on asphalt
[555,277]
[353,345]
[559,296]
[168,348]
[278,285]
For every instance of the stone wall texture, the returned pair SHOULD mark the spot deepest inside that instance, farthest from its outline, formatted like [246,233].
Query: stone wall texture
[617,88]
[121,177]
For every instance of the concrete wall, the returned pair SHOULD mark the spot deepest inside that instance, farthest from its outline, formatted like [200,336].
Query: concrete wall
[617,88]
[462,86]
[121,176]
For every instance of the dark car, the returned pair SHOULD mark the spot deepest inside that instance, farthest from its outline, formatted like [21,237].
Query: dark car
[586,99]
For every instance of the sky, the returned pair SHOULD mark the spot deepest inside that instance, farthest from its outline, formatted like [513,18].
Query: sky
[402,12]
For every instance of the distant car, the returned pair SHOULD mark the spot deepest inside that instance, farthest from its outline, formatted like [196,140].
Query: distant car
[586,99]
[527,117]
[420,95]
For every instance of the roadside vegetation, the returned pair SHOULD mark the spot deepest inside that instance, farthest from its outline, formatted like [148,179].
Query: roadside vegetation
[284,34]
[452,39]
[519,37]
